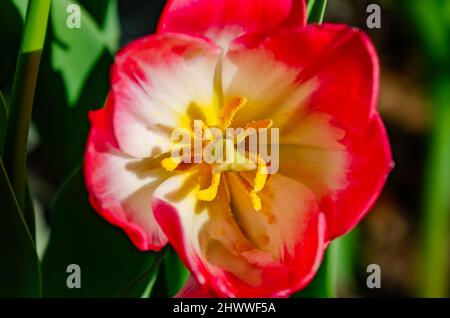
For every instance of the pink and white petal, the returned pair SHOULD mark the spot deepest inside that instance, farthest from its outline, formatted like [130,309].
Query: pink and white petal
[289,227]
[175,208]
[222,257]
[344,63]
[192,228]
[120,187]
[311,152]
[225,20]
[341,66]
[157,82]
[346,173]
[268,84]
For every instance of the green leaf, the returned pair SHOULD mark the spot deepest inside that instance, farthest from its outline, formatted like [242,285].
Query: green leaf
[11,26]
[172,276]
[446,15]
[97,9]
[435,223]
[19,266]
[63,129]
[3,121]
[28,214]
[35,26]
[22,95]
[428,20]
[309,7]
[336,271]
[75,51]
[347,251]
[21,6]
[145,281]
[108,260]
[29,209]
[316,10]
[64,126]
[431,22]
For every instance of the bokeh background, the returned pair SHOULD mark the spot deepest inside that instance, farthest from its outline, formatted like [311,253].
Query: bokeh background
[407,233]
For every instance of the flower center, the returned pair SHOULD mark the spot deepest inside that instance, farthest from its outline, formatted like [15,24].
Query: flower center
[214,143]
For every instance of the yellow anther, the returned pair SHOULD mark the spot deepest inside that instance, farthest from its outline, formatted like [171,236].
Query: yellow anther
[230,109]
[210,193]
[260,124]
[258,184]
[170,164]
[261,176]
[256,201]
[254,127]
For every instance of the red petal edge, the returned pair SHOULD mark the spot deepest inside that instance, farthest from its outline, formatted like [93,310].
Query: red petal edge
[197,17]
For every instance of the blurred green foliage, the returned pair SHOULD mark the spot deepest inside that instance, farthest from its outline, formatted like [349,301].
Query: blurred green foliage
[172,276]
[75,52]
[19,267]
[20,274]
[3,119]
[108,260]
[432,23]
[74,79]
[11,25]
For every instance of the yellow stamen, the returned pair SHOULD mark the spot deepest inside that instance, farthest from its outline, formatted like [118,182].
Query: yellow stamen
[210,193]
[170,164]
[260,124]
[261,176]
[256,201]
[258,184]
[230,109]
[252,195]
[256,125]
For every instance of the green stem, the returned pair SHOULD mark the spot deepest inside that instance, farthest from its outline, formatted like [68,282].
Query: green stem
[21,103]
[429,17]
[435,231]
[171,277]
[3,120]
[309,7]
[147,278]
[316,10]
[332,269]
[325,282]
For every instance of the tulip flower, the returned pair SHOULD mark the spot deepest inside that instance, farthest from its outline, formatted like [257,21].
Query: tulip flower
[228,63]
